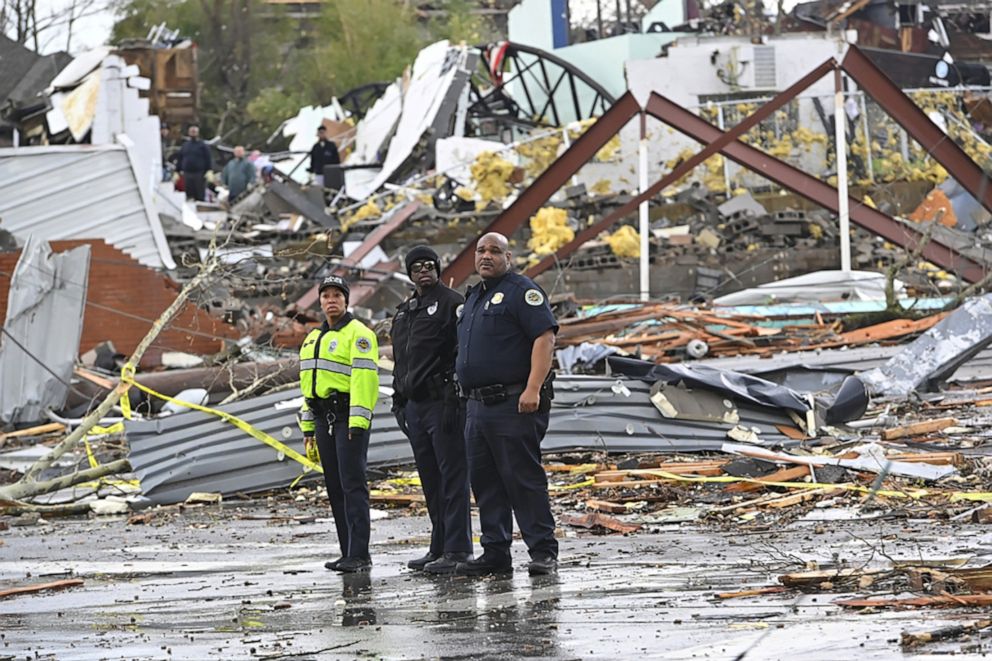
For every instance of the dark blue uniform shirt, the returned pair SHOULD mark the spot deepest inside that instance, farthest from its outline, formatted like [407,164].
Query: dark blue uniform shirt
[497,328]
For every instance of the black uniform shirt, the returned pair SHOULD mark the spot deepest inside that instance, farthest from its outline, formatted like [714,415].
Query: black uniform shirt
[424,340]
[497,328]
[323,153]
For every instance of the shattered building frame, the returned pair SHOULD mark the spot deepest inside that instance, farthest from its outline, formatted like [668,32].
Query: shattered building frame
[855,64]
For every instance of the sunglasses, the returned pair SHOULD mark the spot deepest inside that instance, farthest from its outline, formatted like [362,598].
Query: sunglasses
[417,267]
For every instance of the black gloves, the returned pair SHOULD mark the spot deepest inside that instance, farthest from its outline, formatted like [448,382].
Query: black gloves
[399,410]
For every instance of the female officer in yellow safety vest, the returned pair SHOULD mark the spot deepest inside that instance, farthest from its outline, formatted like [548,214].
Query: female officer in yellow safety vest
[340,382]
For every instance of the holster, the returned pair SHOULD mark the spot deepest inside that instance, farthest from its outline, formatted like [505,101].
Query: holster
[332,408]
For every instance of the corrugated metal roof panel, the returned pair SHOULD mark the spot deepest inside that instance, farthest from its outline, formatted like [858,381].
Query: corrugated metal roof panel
[80,192]
[190,452]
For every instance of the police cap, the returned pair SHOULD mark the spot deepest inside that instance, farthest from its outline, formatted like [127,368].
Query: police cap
[337,282]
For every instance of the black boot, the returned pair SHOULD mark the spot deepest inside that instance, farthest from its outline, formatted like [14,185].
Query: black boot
[420,563]
[332,564]
[447,563]
[485,565]
[353,565]
[543,565]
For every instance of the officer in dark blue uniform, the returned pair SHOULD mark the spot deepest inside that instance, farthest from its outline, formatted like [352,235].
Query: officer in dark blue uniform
[428,410]
[506,338]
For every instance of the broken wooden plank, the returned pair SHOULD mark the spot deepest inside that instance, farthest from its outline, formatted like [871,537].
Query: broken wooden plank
[605,506]
[789,474]
[396,499]
[41,587]
[774,589]
[936,601]
[813,579]
[796,498]
[47,428]
[596,520]
[918,428]
[910,641]
[96,379]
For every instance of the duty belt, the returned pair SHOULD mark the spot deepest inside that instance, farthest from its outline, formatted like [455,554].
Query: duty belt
[495,393]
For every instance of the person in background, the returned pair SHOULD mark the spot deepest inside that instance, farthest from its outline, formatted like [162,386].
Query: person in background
[238,174]
[194,162]
[324,152]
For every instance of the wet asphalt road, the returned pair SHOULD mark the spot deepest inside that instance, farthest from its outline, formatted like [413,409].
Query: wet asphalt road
[242,582]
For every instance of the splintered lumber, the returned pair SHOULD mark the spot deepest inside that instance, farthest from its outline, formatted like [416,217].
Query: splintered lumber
[396,499]
[918,428]
[890,330]
[675,467]
[41,587]
[937,601]
[605,506]
[812,579]
[790,474]
[935,458]
[774,589]
[48,428]
[796,498]
[912,640]
[596,520]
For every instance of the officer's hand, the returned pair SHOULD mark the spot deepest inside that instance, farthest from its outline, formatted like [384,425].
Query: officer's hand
[310,446]
[529,400]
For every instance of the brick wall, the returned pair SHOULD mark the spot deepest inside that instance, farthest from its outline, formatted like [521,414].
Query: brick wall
[123,299]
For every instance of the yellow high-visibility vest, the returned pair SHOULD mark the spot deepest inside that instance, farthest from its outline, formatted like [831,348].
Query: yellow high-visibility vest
[341,358]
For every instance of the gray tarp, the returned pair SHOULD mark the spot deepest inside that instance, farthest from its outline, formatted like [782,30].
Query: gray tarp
[743,387]
[44,322]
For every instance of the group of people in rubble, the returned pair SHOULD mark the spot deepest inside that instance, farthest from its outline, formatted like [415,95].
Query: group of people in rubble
[472,390]
[190,165]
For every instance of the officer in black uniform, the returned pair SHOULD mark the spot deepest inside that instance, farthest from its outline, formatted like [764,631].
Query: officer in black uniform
[428,410]
[506,337]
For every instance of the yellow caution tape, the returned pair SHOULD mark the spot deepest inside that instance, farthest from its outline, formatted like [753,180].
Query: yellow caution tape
[127,380]
[569,487]
[97,430]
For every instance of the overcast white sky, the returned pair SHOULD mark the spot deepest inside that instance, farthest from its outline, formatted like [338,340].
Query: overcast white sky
[88,32]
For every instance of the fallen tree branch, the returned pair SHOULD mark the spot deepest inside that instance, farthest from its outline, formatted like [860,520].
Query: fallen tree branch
[114,396]
[26,489]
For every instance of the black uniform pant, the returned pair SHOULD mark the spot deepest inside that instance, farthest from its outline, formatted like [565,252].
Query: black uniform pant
[504,455]
[443,470]
[195,184]
[344,461]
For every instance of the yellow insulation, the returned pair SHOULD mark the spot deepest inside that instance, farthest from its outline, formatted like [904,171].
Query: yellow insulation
[549,231]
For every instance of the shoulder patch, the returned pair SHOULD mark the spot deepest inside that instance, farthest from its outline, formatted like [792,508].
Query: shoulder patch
[363,344]
[459,310]
[534,297]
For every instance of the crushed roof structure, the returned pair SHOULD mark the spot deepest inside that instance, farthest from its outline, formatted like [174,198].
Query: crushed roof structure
[81,192]
[24,75]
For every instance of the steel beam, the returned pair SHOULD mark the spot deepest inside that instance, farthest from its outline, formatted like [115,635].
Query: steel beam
[539,192]
[813,189]
[909,116]
[371,240]
[684,168]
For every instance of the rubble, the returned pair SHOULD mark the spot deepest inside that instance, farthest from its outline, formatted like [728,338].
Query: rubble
[760,389]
